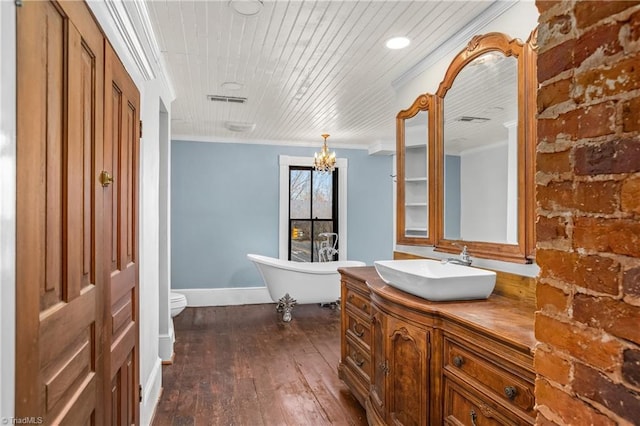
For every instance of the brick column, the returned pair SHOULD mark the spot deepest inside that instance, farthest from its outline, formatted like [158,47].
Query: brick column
[588,213]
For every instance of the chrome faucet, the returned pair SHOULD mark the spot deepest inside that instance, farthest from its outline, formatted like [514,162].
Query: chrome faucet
[464,259]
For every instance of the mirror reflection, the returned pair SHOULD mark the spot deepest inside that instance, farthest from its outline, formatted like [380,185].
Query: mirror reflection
[480,137]
[415,175]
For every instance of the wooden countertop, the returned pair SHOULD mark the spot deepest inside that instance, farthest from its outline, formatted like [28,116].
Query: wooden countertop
[498,316]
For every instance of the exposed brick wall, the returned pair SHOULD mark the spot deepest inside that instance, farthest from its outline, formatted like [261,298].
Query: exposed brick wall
[588,225]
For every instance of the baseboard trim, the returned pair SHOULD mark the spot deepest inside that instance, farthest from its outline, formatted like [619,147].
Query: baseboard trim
[169,362]
[151,390]
[197,297]
[165,347]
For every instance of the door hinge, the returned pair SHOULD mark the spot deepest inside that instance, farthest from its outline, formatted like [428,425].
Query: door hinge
[18,3]
[140,129]
[139,393]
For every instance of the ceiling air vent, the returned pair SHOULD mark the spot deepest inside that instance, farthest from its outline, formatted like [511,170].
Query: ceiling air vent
[469,119]
[239,126]
[222,98]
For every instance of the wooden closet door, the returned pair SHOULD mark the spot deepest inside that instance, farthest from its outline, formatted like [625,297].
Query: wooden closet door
[121,148]
[60,272]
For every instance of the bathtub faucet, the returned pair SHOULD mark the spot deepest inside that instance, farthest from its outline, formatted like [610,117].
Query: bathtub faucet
[327,250]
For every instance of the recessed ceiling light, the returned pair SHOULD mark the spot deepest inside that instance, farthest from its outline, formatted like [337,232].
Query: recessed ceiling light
[232,85]
[398,43]
[246,7]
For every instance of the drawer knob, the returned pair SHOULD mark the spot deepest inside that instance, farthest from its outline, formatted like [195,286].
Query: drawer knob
[364,307]
[510,392]
[458,361]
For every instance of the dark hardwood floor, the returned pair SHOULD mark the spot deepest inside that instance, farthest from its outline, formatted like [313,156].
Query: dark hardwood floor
[241,365]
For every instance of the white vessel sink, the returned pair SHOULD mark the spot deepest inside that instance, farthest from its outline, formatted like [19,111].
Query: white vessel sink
[433,280]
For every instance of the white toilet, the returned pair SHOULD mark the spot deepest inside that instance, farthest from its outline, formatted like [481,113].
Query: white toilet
[178,303]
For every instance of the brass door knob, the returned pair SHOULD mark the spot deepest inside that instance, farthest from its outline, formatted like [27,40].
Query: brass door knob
[105,178]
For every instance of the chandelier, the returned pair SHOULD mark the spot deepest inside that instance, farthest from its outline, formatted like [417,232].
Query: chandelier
[324,161]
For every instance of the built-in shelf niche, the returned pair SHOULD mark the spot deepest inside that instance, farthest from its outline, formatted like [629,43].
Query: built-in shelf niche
[416,194]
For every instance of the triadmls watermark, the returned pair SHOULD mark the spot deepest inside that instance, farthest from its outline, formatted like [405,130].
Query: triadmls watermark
[22,420]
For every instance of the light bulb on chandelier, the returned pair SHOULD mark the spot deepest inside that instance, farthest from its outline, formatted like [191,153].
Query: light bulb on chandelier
[324,161]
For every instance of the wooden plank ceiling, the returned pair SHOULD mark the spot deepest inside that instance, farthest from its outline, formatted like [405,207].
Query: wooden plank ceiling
[306,67]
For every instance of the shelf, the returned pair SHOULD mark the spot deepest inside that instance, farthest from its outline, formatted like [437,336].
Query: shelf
[416,179]
[417,146]
[415,233]
[415,205]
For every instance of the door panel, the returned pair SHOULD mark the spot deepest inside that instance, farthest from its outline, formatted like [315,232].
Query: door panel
[409,373]
[121,147]
[59,214]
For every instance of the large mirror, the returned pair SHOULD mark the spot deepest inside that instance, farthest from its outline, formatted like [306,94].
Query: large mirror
[415,134]
[484,150]
[480,139]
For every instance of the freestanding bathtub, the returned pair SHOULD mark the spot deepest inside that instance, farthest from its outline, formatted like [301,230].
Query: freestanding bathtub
[300,282]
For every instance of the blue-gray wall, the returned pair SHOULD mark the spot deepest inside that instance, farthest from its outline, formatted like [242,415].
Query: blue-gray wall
[225,204]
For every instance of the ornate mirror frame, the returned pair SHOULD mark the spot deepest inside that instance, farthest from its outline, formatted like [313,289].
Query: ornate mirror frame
[525,53]
[425,102]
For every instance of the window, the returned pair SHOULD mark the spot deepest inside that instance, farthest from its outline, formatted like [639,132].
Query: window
[313,214]
[339,193]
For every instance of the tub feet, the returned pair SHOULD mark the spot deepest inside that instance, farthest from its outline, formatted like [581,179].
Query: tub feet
[285,305]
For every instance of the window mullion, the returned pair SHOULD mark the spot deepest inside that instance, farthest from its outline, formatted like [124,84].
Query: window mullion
[311,212]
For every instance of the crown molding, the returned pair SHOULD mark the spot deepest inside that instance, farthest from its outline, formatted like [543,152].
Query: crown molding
[132,26]
[382,148]
[153,48]
[454,43]
[129,35]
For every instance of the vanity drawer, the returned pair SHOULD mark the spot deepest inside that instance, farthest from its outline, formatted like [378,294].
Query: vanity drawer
[358,360]
[358,302]
[490,374]
[463,407]
[359,330]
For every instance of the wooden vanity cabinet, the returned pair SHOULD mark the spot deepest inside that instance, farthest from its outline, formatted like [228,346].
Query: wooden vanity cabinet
[413,362]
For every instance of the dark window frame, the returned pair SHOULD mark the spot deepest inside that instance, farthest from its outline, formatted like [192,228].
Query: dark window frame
[334,209]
